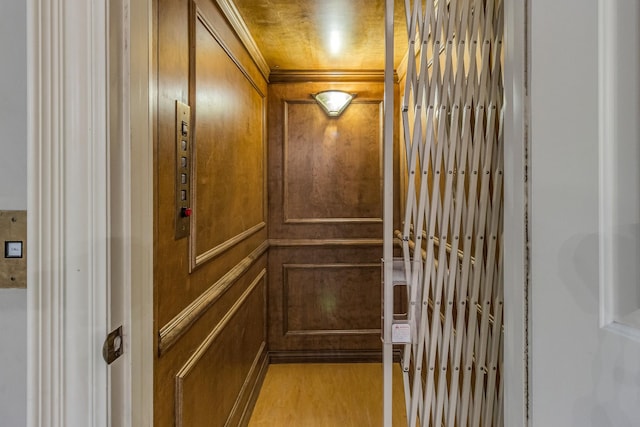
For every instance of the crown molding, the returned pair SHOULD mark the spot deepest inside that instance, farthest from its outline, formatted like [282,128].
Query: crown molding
[232,14]
[290,76]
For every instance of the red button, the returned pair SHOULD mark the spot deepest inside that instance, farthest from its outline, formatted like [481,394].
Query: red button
[186,212]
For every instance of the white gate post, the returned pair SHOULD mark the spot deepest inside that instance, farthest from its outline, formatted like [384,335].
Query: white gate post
[388,216]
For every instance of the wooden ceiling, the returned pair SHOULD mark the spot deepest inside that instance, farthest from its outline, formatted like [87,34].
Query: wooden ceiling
[322,35]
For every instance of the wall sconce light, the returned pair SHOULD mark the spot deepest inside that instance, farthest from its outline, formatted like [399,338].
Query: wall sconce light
[333,102]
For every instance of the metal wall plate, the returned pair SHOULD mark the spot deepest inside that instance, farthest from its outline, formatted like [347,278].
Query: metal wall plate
[113,346]
[13,239]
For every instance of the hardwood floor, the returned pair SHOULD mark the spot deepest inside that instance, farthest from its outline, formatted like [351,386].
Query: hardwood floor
[326,395]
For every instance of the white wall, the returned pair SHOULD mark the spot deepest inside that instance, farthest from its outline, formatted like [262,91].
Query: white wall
[13,196]
[581,374]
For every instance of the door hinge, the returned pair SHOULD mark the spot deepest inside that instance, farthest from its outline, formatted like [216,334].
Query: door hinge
[113,346]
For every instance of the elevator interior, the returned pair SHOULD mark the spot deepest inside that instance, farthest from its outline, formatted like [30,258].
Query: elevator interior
[268,219]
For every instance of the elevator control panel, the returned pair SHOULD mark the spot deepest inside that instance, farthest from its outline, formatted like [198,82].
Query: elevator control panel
[183,170]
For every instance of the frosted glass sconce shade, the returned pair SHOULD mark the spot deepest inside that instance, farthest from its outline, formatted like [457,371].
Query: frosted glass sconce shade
[333,102]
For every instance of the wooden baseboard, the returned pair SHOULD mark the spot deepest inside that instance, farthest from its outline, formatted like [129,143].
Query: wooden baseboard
[325,356]
[354,356]
[257,378]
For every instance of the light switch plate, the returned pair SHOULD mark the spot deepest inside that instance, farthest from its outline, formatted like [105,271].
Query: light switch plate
[12,249]
[13,260]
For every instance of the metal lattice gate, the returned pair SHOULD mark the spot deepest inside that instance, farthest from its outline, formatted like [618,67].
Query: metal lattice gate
[451,264]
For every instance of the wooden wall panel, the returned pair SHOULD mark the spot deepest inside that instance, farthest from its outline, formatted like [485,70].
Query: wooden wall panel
[319,299]
[251,325]
[228,148]
[324,173]
[176,288]
[325,222]
[332,166]
[172,39]
[199,61]
[209,384]
[325,299]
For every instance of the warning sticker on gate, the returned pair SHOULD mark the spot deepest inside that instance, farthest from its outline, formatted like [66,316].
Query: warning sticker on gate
[400,333]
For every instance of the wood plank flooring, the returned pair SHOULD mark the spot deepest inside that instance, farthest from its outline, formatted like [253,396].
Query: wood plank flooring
[326,395]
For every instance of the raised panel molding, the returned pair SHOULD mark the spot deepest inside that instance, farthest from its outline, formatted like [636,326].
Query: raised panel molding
[179,325]
[217,337]
[304,76]
[324,242]
[327,356]
[330,299]
[224,98]
[217,250]
[232,14]
[330,165]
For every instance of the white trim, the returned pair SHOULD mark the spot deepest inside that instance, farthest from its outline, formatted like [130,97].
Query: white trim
[606,129]
[68,217]
[119,208]
[68,214]
[141,221]
[131,177]
[516,134]
[387,265]
[617,188]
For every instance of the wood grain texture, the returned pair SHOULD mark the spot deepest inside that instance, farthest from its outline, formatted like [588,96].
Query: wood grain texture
[332,166]
[325,204]
[175,286]
[304,76]
[326,395]
[329,305]
[239,26]
[326,356]
[226,90]
[321,35]
[230,74]
[222,363]
[235,349]
[315,162]
[331,299]
[228,143]
[179,325]
[324,242]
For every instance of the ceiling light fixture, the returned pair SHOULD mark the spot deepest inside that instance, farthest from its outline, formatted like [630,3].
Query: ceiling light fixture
[333,102]
[335,42]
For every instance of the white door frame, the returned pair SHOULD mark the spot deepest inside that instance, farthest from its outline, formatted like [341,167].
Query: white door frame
[131,239]
[69,221]
[516,208]
[141,104]
[68,214]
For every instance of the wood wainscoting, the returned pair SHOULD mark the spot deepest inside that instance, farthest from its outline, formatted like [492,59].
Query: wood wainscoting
[210,288]
[324,301]
[325,222]
[284,247]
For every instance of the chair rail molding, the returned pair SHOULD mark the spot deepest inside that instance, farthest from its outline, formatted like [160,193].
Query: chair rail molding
[68,213]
